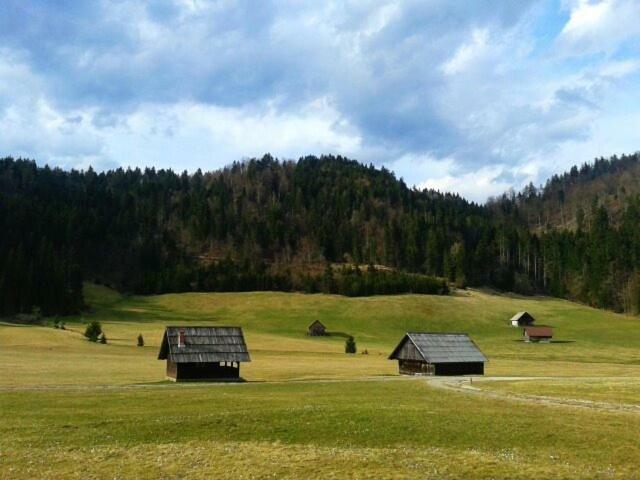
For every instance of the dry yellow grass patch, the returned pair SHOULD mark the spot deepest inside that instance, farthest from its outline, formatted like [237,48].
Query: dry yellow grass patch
[264,460]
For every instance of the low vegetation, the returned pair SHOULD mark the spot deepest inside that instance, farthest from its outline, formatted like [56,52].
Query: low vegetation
[350,345]
[93,332]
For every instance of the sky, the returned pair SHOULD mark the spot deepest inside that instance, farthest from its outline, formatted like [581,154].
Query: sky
[469,97]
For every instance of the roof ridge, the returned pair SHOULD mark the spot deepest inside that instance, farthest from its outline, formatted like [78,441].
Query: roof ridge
[437,333]
[202,326]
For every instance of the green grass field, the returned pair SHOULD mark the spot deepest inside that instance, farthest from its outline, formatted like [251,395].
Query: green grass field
[616,391]
[74,409]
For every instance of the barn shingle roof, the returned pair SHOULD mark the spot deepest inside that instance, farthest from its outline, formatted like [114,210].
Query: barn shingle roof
[204,344]
[519,315]
[443,347]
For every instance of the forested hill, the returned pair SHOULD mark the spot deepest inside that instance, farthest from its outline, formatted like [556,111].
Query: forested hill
[260,224]
[264,224]
[569,200]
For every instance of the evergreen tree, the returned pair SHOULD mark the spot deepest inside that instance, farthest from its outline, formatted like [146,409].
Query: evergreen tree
[93,331]
[350,345]
[264,224]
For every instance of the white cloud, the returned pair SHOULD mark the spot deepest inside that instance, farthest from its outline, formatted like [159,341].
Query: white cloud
[467,53]
[600,26]
[457,96]
[474,185]
[619,69]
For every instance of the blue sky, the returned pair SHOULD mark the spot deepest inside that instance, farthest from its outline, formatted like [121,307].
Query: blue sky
[473,97]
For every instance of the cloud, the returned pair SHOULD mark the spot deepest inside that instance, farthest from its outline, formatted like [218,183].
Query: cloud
[471,96]
[599,26]
[467,53]
[475,185]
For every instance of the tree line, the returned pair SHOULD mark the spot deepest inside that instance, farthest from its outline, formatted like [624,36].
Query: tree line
[266,224]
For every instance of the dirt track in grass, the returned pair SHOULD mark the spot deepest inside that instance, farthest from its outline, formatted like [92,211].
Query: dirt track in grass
[479,386]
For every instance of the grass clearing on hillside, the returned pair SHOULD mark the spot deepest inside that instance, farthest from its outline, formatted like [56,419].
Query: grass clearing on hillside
[275,327]
[70,408]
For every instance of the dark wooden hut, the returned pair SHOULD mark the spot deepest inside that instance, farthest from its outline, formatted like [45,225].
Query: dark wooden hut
[438,354]
[521,319]
[203,353]
[317,329]
[537,334]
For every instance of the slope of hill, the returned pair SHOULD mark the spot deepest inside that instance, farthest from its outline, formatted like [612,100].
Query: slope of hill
[258,225]
[271,225]
[307,408]
[587,224]
[590,341]
[571,200]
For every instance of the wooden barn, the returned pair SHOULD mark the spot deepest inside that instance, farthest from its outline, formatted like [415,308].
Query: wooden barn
[203,353]
[522,319]
[438,354]
[537,334]
[317,329]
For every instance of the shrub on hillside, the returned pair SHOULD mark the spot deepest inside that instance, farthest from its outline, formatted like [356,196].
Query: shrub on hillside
[59,324]
[103,339]
[140,341]
[93,331]
[350,345]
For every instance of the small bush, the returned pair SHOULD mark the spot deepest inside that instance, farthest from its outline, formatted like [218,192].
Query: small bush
[93,331]
[140,341]
[62,326]
[103,339]
[350,345]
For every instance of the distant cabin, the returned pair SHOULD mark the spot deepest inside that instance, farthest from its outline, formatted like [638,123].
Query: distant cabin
[317,329]
[203,353]
[537,334]
[438,354]
[522,319]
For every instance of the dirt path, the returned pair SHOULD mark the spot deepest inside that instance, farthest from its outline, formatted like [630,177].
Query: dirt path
[465,385]
[473,386]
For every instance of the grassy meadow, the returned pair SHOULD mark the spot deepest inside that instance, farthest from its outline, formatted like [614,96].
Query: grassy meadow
[70,408]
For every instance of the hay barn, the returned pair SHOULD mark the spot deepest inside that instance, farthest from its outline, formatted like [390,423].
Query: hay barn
[203,353]
[438,354]
[521,319]
[317,329]
[537,334]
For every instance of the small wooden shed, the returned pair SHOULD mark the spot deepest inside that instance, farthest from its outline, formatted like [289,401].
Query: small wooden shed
[317,329]
[422,353]
[522,319]
[203,353]
[537,334]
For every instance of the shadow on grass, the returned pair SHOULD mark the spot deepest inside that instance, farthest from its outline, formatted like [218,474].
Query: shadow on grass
[519,340]
[192,382]
[337,334]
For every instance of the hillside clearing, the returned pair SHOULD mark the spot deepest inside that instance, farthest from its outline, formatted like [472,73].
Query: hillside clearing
[597,342]
[307,408]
